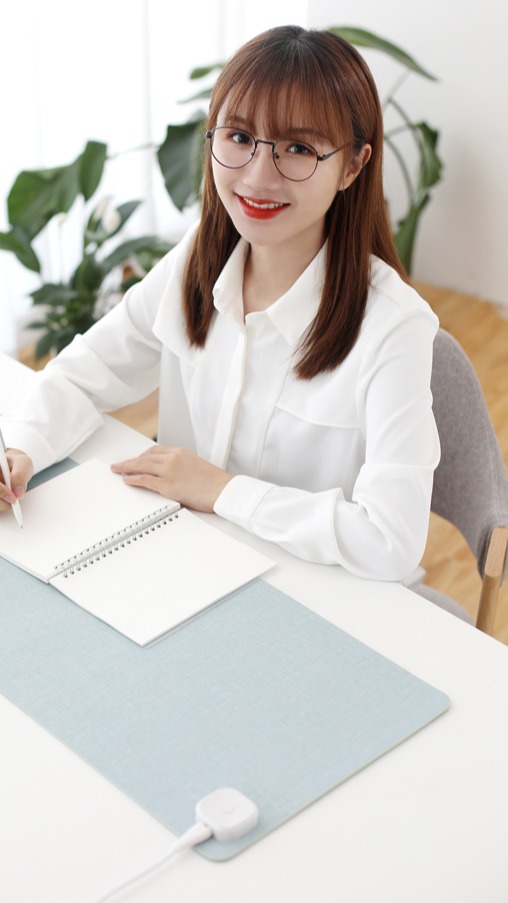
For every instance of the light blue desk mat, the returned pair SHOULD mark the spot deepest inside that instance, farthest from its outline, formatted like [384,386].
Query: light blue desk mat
[257,693]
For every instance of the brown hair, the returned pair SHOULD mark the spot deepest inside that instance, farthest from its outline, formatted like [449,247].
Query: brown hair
[322,75]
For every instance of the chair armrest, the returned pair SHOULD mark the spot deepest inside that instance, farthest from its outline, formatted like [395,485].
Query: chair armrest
[492,578]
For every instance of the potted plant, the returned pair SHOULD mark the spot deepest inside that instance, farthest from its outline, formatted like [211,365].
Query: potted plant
[71,307]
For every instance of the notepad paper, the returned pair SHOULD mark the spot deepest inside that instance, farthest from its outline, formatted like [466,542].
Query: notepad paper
[128,556]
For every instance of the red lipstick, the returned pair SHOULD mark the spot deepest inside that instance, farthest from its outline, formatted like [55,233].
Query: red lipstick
[259,208]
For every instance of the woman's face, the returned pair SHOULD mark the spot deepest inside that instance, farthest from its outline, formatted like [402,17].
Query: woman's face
[268,209]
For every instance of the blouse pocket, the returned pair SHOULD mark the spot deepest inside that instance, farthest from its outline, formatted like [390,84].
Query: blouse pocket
[314,440]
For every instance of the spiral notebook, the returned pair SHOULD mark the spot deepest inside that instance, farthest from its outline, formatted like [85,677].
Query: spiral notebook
[139,562]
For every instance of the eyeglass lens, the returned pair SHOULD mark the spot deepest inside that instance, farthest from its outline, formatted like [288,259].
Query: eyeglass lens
[234,148]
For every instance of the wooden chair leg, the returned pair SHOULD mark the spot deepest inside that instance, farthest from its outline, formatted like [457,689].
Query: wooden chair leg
[492,578]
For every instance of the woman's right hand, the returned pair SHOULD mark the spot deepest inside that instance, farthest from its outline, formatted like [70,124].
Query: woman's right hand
[21,472]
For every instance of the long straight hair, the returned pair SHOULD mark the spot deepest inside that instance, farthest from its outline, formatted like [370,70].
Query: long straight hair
[286,73]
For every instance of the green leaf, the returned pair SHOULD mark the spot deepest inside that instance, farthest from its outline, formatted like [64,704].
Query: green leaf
[361,38]
[54,294]
[88,276]
[201,71]
[179,157]
[91,167]
[205,94]
[17,241]
[65,336]
[45,344]
[126,284]
[150,243]
[405,234]
[94,231]
[431,166]
[125,210]
[37,195]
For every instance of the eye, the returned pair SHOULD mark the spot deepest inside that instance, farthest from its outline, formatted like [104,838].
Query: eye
[297,149]
[235,136]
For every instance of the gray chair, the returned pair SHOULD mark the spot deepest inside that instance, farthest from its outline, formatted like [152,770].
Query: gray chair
[470,483]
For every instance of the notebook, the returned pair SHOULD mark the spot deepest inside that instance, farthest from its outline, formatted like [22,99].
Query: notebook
[139,562]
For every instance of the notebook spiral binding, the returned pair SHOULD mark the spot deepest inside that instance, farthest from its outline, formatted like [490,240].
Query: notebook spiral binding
[116,541]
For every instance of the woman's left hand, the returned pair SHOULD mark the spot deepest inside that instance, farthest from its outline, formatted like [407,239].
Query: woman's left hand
[177,474]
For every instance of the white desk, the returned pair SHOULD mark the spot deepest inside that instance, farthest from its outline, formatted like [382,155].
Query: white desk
[427,822]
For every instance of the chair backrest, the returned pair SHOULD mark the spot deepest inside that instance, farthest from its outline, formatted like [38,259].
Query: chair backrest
[470,483]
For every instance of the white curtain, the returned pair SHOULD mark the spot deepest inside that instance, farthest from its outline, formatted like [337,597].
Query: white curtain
[112,71]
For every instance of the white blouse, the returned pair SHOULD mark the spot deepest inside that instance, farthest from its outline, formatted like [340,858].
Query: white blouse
[337,469]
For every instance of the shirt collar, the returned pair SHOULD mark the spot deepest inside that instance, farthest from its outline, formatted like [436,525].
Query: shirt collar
[291,314]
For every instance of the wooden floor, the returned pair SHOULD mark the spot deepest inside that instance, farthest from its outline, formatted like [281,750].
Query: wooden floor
[483,333]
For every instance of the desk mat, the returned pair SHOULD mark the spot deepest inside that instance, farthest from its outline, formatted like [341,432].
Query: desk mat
[257,693]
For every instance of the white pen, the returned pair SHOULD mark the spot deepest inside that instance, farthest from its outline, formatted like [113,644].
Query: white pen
[6,472]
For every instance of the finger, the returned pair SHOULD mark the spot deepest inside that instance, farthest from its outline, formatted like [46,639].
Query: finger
[152,450]
[7,496]
[21,473]
[142,481]
[137,466]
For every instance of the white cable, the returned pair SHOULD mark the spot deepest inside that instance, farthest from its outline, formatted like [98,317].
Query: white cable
[225,814]
[197,834]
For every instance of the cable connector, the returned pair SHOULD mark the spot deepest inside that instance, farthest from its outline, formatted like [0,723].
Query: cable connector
[197,834]
[228,813]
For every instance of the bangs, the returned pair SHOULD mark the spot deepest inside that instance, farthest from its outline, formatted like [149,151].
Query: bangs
[284,93]
[287,111]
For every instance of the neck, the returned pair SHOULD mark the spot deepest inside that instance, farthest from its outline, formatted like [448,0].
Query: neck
[269,273]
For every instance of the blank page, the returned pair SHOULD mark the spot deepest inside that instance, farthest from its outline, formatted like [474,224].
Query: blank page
[152,584]
[142,584]
[69,513]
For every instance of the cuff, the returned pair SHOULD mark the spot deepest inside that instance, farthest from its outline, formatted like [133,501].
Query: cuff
[28,440]
[240,498]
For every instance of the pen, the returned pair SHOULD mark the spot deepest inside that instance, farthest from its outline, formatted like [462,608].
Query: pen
[4,467]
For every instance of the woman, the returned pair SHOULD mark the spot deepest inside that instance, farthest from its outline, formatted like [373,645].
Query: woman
[293,358]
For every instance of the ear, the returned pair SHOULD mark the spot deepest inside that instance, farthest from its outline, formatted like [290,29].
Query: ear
[355,166]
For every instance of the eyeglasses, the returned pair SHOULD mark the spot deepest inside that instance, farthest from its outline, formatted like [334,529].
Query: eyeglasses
[295,160]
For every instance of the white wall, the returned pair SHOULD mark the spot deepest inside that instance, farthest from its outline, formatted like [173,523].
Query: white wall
[464,230]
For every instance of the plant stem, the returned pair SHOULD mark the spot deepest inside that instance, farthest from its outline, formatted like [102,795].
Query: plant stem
[402,113]
[395,87]
[402,163]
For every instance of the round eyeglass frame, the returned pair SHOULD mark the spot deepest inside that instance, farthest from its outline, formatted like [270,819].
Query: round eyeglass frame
[318,157]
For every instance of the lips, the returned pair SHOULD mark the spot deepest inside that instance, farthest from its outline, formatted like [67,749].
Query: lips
[260,208]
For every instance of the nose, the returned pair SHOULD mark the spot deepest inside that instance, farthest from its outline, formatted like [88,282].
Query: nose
[262,167]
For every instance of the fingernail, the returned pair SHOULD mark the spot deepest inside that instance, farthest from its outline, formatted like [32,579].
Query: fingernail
[19,491]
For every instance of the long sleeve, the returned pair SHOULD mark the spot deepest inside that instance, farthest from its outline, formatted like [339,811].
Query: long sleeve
[115,363]
[64,405]
[380,530]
